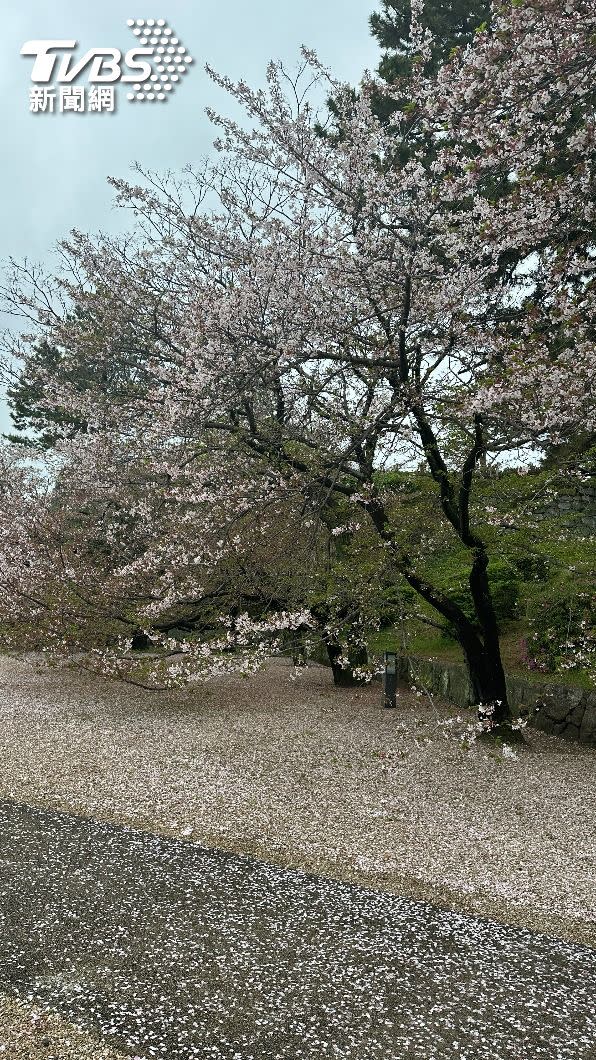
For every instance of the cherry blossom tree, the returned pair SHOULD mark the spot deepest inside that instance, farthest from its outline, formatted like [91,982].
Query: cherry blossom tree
[313,307]
[103,551]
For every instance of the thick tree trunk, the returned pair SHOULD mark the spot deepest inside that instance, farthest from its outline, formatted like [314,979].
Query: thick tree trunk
[483,660]
[487,678]
[479,639]
[345,676]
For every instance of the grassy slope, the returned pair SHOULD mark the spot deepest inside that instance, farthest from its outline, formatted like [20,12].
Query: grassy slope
[431,646]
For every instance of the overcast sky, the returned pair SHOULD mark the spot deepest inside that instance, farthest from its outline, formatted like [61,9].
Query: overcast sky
[55,165]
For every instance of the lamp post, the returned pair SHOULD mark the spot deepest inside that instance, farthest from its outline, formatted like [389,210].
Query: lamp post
[390,682]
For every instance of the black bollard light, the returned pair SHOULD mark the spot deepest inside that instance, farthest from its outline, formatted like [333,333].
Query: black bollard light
[390,682]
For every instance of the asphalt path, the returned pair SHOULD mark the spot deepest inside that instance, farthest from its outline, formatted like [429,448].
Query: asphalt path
[170,950]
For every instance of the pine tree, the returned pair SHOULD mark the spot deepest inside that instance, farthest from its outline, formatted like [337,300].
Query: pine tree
[451,22]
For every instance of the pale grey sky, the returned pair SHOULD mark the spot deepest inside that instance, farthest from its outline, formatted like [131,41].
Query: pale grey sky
[54,170]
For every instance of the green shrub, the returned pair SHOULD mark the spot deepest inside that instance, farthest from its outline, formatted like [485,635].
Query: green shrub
[562,630]
[532,567]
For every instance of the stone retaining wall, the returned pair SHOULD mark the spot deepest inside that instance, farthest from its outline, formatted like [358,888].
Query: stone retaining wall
[557,709]
[575,507]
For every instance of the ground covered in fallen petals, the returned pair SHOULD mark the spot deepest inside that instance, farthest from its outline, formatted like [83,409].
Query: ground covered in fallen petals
[175,952]
[29,1032]
[302,774]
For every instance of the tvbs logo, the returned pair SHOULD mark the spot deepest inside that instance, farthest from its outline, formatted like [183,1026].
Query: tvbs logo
[152,69]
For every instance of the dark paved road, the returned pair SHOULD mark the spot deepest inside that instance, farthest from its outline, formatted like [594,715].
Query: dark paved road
[178,952]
